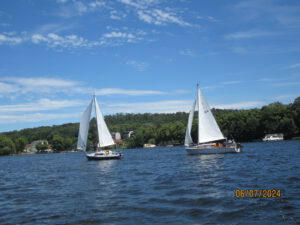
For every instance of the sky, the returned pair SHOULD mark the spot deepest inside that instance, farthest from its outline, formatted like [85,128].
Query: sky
[143,56]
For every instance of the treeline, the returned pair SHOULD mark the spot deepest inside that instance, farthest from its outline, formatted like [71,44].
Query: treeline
[241,125]
[163,129]
[61,137]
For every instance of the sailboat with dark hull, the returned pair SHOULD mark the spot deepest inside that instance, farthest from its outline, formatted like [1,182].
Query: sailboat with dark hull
[210,137]
[104,136]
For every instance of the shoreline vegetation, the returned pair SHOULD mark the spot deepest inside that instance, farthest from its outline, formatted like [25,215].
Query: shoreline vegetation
[162,129]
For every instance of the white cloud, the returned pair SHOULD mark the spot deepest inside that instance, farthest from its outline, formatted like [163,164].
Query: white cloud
[230,82]
[156,16]
[117,15]
[293,66]
[41,81]
[79,8]
[41,105]
[171,106]
[140,4]
[248,34]
[139,66]
[54,28]
[221,84]
[113,91]
[239,105]
[26,85]
[289,83]
[160,17]
[55,41]
[270,79]
[286,97]
[96,4]
[61,1]
[208,18]
[20,113]
[281,82]
[240,50]
[38,38]
[4,25]
[118,35]
[187,52]
[112,38]
[7,88]
[46,85]
[7,38]
[284,14]
[35,117]
[122,36]
[211,87]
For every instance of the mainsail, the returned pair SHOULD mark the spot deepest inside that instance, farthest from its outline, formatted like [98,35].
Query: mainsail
[104,136]
[208,129]
[84,128]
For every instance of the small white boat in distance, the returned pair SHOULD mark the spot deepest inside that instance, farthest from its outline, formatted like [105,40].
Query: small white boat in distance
[104,136]
[273,137]
[210,137]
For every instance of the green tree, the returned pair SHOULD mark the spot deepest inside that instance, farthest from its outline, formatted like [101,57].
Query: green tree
[41,146]
[20,143]
[287,127]
[271,116]
[68,143]
[57,143]
[296,113]
[7,146]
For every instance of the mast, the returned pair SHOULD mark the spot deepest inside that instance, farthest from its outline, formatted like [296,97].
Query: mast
[199,102]
[98,135]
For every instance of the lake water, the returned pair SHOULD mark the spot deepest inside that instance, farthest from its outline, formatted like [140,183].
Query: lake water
[152,186]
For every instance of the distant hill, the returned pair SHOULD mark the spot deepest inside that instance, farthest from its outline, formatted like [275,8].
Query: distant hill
[165,128]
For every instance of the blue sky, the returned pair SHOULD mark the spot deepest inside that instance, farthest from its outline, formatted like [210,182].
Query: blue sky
[143,56]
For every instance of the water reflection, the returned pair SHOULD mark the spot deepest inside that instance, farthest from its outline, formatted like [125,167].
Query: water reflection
[105,166]
[205,162]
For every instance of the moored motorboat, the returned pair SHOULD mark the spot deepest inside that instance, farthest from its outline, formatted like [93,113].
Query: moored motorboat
[273,137]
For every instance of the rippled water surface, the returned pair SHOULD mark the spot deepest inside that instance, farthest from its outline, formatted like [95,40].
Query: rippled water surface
[152,186]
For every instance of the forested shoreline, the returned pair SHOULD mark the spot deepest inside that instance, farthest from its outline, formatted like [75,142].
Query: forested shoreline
[163,129]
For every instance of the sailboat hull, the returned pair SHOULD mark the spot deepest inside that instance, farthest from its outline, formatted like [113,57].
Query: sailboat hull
[199,150]
[103,156]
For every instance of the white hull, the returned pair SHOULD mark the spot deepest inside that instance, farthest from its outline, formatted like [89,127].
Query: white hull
[102,155]
[204,151]
[273,139]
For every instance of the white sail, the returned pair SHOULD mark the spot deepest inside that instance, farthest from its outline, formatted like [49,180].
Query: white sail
[208,129]
[105,138]
[188,138]
[84,128]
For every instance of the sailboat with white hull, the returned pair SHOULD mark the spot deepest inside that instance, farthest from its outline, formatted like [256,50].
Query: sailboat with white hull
[210,137]
[104,136]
